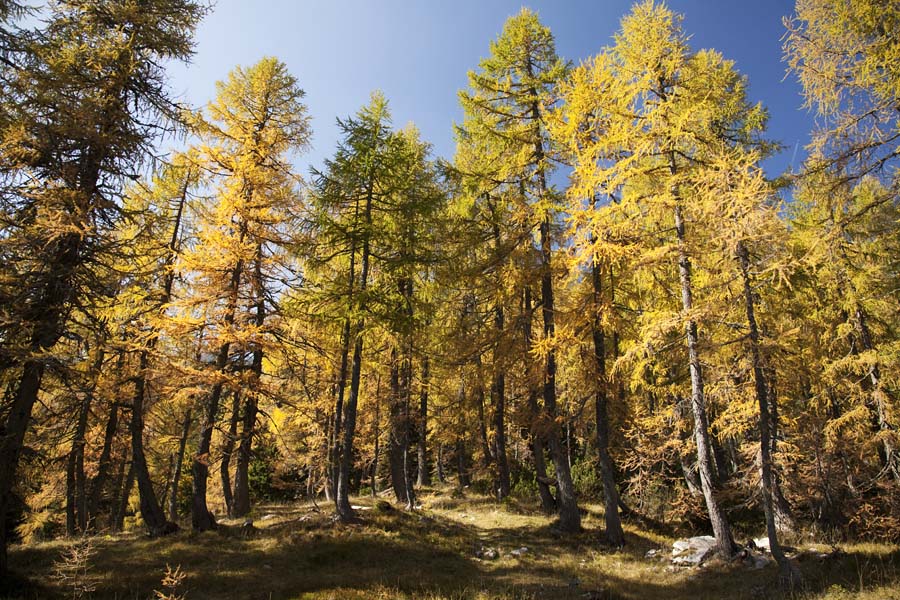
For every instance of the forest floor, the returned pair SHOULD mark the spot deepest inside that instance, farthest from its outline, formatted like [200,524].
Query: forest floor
[295,551]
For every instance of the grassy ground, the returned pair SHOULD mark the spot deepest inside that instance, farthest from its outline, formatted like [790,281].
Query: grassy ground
[295,552]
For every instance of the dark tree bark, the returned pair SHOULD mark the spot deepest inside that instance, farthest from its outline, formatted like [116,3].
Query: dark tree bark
[424,474]
[179,461]
[487,457]
[228,450]
[118,520]
[103,464]
[399,431]
[614,533]
[244,455]
[151,511]
[498,378]
[377,435]
[201,517]
[439,464]
[548,502]
[345,511]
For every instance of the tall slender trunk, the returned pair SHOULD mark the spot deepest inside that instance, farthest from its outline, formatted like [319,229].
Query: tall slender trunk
[614,533]
[548,502]
[688,469]
[377,435]
[345,511]
[179,461]
[721,529]
[251,399]
[487,456]
[228,451]
[49,320]
[789,574]
[784,517]
[398,426]
[462,464]
[424,475]
[498,378]
[124,497]
[498,399]
[244,455]
[103,464]
[76,504]
[335,447]
[439,464]
[201,517]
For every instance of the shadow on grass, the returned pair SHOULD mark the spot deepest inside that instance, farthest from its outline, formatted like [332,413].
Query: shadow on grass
[396,554]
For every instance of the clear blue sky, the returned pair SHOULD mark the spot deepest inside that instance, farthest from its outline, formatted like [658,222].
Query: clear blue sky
[418,53]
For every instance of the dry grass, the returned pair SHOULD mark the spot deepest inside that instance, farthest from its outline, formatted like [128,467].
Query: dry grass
[430,555]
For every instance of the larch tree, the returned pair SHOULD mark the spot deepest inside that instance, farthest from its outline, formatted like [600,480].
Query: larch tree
[847,58]
[506,105]
[348,194]
[646,117]
[247,135]
[75,134]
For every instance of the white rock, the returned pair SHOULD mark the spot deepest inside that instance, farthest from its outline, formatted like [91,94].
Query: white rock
[762,544]
[519,551]
[693,551]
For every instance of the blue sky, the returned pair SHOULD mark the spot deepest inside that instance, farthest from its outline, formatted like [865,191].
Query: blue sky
[418,53]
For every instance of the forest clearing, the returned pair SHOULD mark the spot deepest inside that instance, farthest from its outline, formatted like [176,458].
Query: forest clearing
[300,551]
[608,341]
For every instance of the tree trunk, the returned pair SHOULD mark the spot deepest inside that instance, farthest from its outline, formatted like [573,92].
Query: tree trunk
[151,511]
[242,471]
[227,451]
[486,455]
[201,517]
[399,433]
[179,461]
[377,435]
[118,520]
[103,463]
[614,533]
[721,529]
[569,515]
[439,467]
[345,511]
[789,575]
[424,475]
[498,379]
[548,502]
[688,469]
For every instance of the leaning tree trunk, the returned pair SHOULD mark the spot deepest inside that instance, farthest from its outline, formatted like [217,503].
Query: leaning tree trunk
[721,529]
[151,511]
[789,574]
